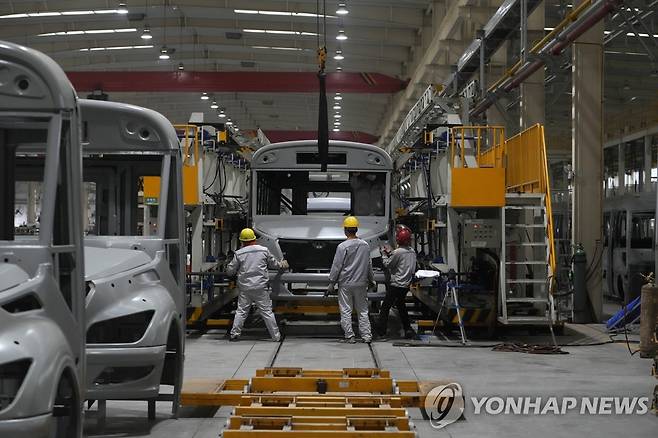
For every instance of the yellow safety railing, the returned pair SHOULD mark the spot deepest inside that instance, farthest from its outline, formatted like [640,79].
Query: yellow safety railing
[190,144]
[191,155]
[526,171]
[546,189]
[483,138]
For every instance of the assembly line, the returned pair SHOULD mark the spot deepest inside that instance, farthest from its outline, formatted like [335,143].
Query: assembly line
[441,225]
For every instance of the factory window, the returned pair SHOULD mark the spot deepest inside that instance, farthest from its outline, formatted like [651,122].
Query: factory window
[634,165]
[642,230]
[620,229]
[654,158]
[606,229]
[310,192]
[611,170]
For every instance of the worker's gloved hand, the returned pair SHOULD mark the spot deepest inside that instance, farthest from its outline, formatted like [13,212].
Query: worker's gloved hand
[284,264]
[330,290]
[373,285]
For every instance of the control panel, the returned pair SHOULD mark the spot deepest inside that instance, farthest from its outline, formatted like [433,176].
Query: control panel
[481,233]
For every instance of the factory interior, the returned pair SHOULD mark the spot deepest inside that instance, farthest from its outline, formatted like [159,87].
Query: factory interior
[316,219]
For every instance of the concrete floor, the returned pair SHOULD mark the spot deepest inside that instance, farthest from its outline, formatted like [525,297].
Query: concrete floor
[604,370]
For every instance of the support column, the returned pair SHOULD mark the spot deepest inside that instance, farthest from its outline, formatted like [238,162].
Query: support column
[196,219]
[532,103]
[32,203]
[587,150]
[646,187]
[497,114]
[621,168]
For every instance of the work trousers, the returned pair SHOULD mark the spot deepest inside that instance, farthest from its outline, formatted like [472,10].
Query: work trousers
[264,305]
[354,298]
[395,296]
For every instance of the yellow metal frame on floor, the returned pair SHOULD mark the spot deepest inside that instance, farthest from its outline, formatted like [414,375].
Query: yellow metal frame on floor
[354,402]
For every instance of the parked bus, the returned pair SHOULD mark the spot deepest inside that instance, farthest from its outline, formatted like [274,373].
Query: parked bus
[628,251]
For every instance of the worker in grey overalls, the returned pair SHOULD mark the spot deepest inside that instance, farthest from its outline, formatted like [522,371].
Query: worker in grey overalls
[251,263]
[401,265]
[352,270]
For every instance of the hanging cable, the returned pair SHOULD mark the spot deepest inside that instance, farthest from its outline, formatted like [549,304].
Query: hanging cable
[323,116]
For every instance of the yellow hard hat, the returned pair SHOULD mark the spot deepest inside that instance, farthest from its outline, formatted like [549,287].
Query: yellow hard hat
[351,222]
[247,235]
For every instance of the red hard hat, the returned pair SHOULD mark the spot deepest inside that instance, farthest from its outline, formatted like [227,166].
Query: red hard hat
[403,236]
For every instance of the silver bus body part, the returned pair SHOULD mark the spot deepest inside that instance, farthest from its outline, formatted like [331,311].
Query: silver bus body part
[310,244]
[41,276]
[135,283]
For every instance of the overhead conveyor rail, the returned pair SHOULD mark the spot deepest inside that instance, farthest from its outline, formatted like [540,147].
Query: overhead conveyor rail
[582,18]
[494,34]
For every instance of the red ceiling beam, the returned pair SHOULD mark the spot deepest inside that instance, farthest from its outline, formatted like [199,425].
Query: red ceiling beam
[246,82]
[276,136]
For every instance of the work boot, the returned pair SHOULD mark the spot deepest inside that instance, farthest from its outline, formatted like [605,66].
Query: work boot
[349,340]
[380,330]
[410,334]
[234,338]
[277,339]
[368,341]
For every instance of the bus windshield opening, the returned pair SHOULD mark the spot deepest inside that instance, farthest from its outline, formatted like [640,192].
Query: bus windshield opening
[311,192]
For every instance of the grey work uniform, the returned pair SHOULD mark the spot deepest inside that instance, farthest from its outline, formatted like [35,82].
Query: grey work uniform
[352,270]
[251,264]
[402,266]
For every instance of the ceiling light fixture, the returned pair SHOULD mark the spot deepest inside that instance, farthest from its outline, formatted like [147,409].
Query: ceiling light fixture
[164,53]
[338,97]
[122,9]
[146,34]
[339,55]
[337,116]
[57,13]
[295,49]
[284,13]
[181,66]
[86,32]
[99,49]
[337,107]
[336,129]
[342,9]
[279,32]
[342,36]
[204,96]
[339,67]
[221,114]
[214,105]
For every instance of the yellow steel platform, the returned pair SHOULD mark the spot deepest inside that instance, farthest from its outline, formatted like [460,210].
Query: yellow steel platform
[294,402]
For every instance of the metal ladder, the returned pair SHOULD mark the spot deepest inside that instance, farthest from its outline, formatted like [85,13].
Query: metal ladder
[525,271]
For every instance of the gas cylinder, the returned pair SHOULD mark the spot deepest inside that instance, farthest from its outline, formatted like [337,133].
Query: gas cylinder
[648,320]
